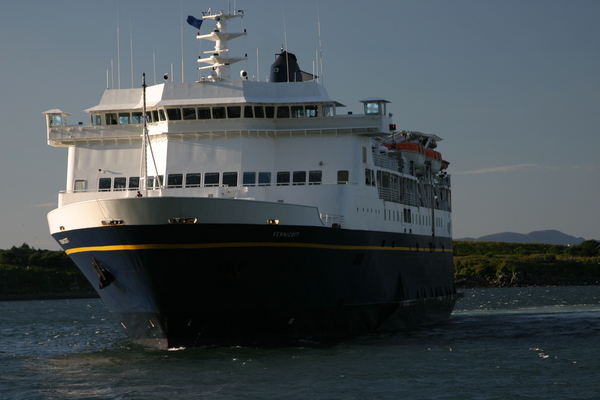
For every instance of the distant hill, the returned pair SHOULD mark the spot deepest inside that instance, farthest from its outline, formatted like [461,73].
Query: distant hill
[547,237]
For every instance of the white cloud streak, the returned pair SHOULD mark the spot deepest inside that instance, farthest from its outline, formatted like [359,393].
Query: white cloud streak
[507,168]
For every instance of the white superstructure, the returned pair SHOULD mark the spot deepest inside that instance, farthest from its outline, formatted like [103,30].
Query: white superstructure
[274,143]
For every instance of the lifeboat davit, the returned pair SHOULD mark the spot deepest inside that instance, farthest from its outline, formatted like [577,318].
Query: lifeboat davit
[435,159]
[412,152]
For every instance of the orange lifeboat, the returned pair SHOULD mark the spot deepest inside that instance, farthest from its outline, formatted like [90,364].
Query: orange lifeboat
[412,152]
[435,158]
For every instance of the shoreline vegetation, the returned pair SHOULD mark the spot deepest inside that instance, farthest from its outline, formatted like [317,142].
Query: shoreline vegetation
[34,274]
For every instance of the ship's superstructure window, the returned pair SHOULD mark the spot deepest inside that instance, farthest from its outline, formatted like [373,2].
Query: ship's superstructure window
[218,112]
[111,119]
[189,113]
[104,184]
[375,106]
[234,112]
[80,185]
[259,112]
[230,178]
[124,118]
[315,177]
[372,108]
[283,178]
[154,183]
[134,183]
[58,120]
[120,183]
[195,113]
[299,178]
[137,118]
[174,114]
[211,179]
[249,179]
[192,180]
[342,177]
[203,112]
[369,177]
[283,112]
[264,179]
[174,180]
[297,111]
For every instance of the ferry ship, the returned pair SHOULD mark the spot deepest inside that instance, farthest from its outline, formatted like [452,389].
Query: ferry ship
[235,211]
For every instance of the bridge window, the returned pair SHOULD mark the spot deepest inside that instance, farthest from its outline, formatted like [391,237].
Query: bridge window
[218,112]
[248,112]
[283,112]
[189,113]
[312,111]
[96,119]
[375,107]
[372,108]
[270,111]
[124,118]
[203,112]
[111,119]
[137,118]
[174,114]
[297,111]
[259,112]
[234,112]
[328,110]
[57,120]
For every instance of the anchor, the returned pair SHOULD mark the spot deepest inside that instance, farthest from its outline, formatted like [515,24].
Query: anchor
[106,278]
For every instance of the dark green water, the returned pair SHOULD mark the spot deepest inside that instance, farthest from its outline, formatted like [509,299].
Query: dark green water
[519,343]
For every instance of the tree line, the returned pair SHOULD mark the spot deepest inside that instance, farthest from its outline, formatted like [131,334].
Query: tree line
[25,270]
[500,264]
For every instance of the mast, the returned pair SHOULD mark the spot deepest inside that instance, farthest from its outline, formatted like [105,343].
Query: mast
[219,59]
[143,165]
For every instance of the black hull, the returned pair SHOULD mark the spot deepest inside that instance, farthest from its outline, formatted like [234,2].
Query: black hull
[197,285]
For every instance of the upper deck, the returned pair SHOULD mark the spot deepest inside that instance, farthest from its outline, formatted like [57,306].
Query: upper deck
[218,108]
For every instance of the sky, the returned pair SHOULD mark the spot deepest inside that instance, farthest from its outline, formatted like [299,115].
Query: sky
[512,86]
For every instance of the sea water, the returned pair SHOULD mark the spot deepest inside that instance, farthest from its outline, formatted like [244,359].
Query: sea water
[517,343]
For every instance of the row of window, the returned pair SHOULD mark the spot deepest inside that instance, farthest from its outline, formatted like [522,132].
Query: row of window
[405,216]
[216,112]
[212,179]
